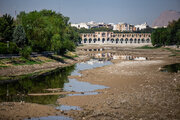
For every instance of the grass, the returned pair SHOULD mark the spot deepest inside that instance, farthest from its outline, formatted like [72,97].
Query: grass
[174,52]
[3,66]
[22,61]
[26,62]
[146,47]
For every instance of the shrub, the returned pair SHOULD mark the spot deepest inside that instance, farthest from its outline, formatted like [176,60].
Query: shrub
[8,48]
[25,52]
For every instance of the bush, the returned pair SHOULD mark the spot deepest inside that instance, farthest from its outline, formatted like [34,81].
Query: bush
[25,52]
[8,48]
[3,48]
[13,48]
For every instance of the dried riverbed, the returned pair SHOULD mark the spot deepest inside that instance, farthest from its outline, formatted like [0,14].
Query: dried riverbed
[137,90]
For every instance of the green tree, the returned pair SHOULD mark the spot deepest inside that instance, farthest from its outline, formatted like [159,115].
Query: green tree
[47,30]
[56,44]
[6,27]
[19,36]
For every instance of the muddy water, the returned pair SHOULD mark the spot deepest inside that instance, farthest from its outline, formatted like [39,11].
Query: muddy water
[18,90]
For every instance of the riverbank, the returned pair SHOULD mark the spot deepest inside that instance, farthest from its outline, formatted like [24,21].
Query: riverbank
[39,66]
[138,90]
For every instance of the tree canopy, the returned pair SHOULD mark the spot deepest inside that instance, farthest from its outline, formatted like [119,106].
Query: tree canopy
[47,30]
[167,36]
[6,28]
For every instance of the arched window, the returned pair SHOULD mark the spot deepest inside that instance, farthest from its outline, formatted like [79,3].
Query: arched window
[98,39]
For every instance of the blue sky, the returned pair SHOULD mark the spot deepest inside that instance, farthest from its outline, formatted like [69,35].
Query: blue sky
[108,11]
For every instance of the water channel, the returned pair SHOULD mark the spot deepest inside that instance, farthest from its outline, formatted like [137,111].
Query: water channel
[18,91]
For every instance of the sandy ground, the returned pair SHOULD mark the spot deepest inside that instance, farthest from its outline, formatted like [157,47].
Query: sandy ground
[19,111]
[137,91]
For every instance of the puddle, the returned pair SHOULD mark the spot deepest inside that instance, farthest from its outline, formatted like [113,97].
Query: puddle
[51,118]
[66,107]
[84,93]
[173,68]
[78,86]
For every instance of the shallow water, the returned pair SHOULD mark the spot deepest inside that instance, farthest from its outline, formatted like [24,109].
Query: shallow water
[18,90]
[84,93]
[174,68]
[66,107]
[78,86]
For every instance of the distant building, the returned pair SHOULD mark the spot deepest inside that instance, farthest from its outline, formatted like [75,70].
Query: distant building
[116,38]
[81,25]
[125,27]
[92,24]
[141,26]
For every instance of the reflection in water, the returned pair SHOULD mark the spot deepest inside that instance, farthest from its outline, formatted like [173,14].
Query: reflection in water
[78,86]
[171,68]
[17,91]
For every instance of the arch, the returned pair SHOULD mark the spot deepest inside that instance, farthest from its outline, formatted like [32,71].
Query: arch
[148,40]
[117,40]
[138,40]
[126,40]
[112,40]
[142,40]
[90,40]
[85,40]
[131,40]
[95,40]
[103,40]
[98,39]
[135,40]
[121,40]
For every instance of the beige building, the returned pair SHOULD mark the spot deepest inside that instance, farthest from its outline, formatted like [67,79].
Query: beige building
[125,27]
[115,38]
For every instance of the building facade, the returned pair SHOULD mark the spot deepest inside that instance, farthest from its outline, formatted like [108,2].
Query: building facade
[142,26]
[125,27]
[115,38]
